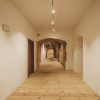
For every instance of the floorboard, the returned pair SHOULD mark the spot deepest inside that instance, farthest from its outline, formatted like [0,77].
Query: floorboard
[54,84]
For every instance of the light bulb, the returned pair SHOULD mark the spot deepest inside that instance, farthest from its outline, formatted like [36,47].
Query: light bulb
[53,30]
[53,11]
[52,23]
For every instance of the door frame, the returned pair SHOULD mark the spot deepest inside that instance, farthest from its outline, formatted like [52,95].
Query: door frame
[30,57]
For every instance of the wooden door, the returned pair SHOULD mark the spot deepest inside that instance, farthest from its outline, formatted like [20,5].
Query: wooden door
[30,57]
[64,54]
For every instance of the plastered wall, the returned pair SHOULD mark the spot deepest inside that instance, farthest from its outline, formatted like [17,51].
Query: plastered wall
[89,29]
[13,48]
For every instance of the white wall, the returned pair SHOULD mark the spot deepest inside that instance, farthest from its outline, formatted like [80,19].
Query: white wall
[43,53]
[13,48]
[78,55]
[63,35]
[89,28]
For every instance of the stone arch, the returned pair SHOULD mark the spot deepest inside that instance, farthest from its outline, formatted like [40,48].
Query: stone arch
[62,50]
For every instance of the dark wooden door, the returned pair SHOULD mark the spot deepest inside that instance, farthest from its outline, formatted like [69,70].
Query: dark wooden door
[30,57]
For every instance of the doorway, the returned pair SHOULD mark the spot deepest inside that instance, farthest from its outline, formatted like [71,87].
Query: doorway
[30,57]
[51,50]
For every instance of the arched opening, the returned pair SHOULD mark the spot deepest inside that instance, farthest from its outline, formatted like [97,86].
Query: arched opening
[52,50]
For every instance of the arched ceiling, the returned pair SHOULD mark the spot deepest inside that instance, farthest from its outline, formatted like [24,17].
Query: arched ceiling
[51,44]
[68,12]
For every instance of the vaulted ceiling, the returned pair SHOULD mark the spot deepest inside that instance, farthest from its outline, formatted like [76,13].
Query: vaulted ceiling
[68,12]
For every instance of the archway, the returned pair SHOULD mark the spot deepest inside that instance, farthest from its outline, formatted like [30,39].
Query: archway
[52,49]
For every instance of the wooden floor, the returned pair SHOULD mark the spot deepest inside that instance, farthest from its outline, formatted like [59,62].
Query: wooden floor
[54,84]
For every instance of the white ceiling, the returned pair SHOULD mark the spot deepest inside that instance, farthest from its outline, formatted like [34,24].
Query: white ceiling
[68,12]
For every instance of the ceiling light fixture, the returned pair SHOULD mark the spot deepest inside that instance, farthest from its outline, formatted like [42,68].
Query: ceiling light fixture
[53,11]
[52,23]
[53,30]
[53,17]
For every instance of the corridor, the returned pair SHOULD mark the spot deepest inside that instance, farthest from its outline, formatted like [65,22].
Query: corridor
[52,82]
[49,49]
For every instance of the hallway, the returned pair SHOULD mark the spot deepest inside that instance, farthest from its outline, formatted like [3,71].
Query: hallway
[53,83]
[66,32]
[49,65]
